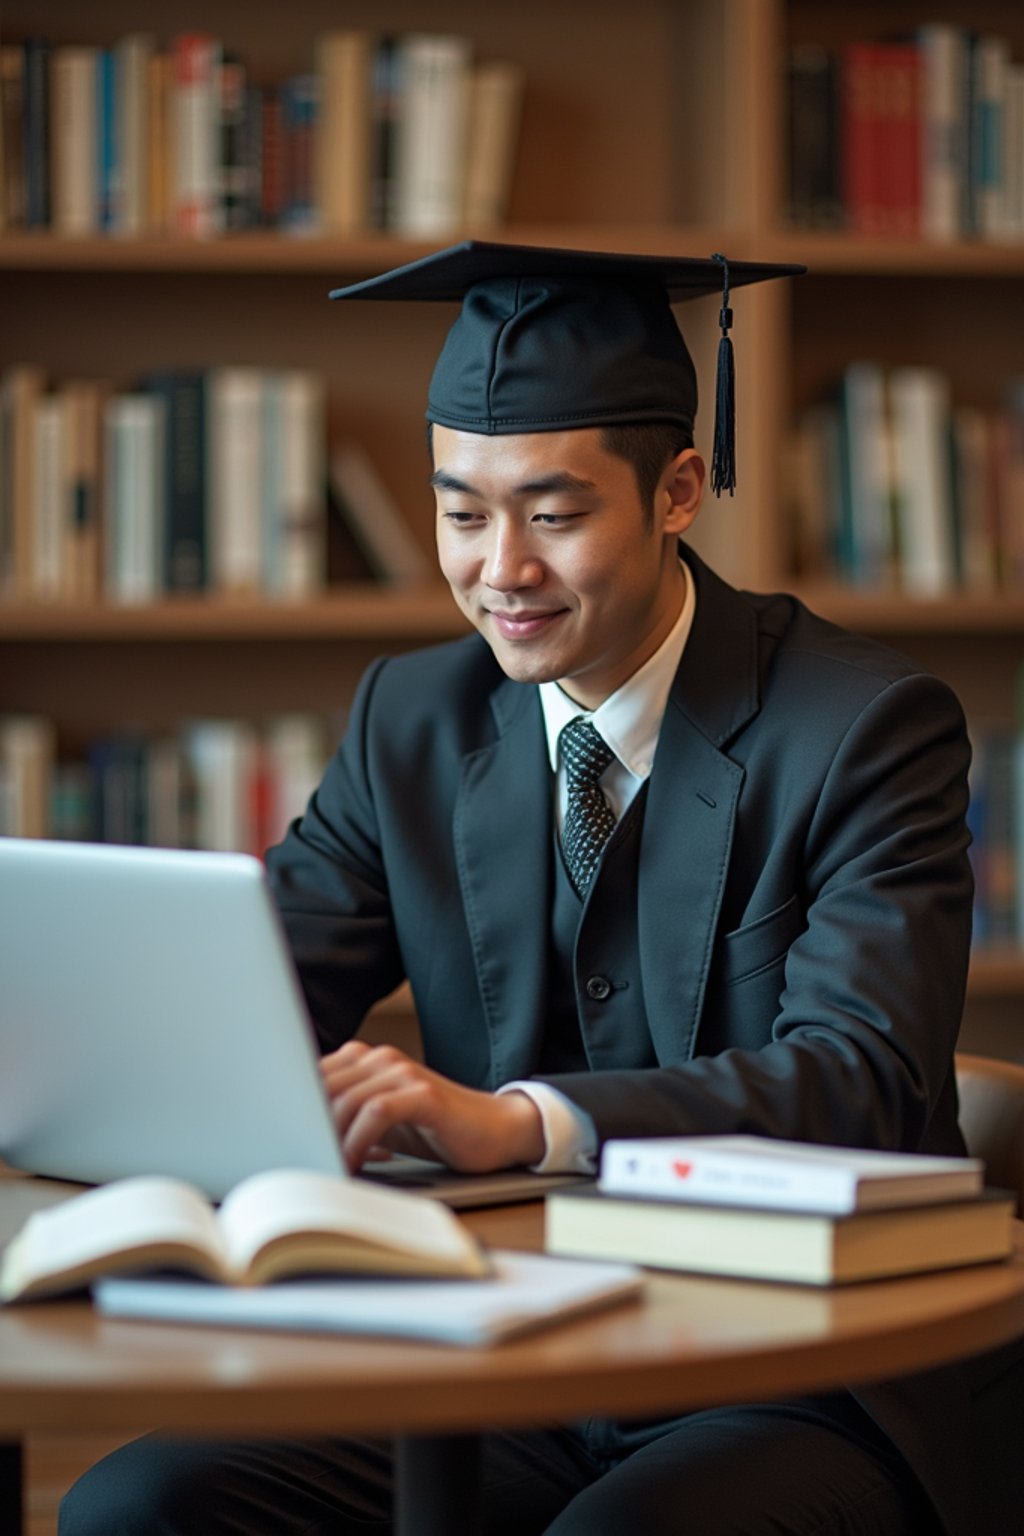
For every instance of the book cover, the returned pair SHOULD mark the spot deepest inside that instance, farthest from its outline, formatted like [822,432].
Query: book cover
[800,1247]
[781,1175]
[522,1292]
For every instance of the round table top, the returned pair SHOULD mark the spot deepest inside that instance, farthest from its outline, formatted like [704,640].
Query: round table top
[687,1341]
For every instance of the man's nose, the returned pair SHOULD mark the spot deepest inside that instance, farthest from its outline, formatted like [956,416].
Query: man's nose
[511,562]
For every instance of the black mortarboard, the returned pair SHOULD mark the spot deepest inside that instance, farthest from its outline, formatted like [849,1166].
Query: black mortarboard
[550,339]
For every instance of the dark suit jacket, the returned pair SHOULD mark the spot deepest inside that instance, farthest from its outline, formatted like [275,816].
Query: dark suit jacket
[803,901]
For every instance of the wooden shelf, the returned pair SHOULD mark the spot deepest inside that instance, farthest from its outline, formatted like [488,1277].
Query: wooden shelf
[897,613]
[996,973]
[269,251]
[345,613]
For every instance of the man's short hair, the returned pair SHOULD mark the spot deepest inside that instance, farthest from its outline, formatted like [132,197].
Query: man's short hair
[648,446]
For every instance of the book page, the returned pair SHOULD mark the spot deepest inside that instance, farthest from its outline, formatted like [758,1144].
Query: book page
[130,1216]
[268,1207]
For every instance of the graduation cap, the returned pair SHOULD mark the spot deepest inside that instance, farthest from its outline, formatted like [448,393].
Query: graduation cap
[554,339]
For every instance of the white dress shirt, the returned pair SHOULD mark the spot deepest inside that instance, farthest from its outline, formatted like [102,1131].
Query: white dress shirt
[629,721]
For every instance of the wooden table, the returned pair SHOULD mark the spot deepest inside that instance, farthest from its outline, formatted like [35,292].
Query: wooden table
[688,1342]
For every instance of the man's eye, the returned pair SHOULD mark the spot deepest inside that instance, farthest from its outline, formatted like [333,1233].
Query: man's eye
[556,519]
[461,518]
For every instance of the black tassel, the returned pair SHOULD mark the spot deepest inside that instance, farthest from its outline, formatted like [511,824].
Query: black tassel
[723,459]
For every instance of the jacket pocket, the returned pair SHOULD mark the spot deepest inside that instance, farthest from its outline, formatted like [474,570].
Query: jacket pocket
[758,946]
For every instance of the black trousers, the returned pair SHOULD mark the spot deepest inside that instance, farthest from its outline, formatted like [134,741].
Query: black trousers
[813,1467]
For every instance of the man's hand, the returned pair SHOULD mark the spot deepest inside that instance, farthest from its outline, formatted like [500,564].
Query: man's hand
[382,1098]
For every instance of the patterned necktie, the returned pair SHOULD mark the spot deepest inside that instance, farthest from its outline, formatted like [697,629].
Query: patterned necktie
[589,819]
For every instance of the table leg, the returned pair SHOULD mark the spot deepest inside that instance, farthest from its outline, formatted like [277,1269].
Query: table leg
[11,1501]
[437,1485]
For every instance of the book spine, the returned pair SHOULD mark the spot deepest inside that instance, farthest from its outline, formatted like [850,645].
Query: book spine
[431,146]
[495,112]
[299,114]
[130,201]
[27,759]
[48,500]
[37,133]
[301,507]
[868,474]
[184,555]
[73,102]
[106,139]
[718,1178]
[944,131]
[922,423]
[861,160]
[900,139]
[234,169]
[12,132]
[386,92]
[814,194]
[344,63]
[991,57]
[20,395]
[159,140]
[272,192]
[82,514]
[234,428]
[197,152]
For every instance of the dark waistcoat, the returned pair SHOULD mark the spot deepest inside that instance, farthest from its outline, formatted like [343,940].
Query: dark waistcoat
[596,1017]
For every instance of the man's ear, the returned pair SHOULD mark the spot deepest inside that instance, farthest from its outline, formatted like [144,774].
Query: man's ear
[681,491]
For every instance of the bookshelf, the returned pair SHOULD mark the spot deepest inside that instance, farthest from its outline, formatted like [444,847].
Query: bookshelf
[657,127]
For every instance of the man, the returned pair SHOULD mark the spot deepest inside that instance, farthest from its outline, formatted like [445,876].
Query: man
[656,857]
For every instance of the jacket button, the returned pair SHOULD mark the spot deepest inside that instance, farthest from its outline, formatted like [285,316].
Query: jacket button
[598,987]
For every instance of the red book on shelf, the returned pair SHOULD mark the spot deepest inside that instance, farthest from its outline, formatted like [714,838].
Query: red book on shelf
[881,138]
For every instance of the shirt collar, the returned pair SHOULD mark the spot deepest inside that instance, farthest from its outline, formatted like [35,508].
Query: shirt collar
[629,720]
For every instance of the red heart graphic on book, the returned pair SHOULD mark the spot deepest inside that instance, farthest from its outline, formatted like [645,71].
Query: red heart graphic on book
[682,1170]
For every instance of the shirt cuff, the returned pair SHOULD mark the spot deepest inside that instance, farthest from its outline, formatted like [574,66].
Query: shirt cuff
[570,1136]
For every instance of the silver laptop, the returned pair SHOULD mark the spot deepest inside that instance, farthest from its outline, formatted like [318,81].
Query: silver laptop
[151,1021]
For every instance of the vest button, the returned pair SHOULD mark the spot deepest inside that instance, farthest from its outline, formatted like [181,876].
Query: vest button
[598,987]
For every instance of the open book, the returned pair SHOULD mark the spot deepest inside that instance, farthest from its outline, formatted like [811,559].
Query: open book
[272,1225]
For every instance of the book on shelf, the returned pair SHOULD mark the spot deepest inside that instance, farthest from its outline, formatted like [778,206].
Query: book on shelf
[274,1224]
[782,1175]
[922,482]
[881,132]
[798,1246]
[373,516]
[294,504]
[922,136]
[430,146]
[400,132]
[222,784]
[812,138]
[75,150]
[494,109]
[21,389]
[344,144]
[134,485]
[27,758]
[891,483]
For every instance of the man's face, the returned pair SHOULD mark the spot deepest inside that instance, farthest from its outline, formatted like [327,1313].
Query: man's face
[546,546]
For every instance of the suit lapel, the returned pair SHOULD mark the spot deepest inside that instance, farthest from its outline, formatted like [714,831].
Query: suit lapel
[691,811]
[503,845]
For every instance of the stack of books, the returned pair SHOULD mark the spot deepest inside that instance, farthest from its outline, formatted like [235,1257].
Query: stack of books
[761,1209]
